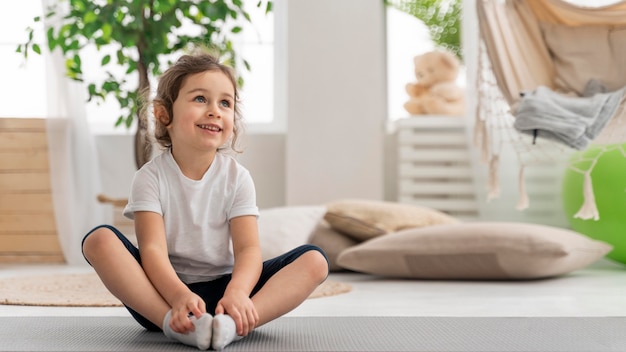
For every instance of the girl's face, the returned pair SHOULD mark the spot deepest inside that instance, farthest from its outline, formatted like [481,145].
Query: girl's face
[204,112]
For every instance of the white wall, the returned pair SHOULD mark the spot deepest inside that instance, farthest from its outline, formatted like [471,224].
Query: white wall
[336,100]
[264,156]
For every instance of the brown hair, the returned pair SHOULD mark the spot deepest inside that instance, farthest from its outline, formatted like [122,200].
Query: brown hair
[169,87]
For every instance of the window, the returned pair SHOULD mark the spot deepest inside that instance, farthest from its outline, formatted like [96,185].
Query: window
[257,46]
[407,37]
[23,87]
[24,83]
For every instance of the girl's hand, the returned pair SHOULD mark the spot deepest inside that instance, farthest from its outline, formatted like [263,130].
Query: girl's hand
[239,306]
[184,307]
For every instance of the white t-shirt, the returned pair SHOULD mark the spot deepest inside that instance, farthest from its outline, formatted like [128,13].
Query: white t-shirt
[196,213]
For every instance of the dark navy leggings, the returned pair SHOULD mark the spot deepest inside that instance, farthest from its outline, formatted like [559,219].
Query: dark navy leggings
[212,291]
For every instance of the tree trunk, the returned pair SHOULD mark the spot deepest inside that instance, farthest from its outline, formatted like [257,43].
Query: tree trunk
[143,144]
[143,147]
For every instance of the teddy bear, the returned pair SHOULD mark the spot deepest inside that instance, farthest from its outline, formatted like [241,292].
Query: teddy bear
[435,92]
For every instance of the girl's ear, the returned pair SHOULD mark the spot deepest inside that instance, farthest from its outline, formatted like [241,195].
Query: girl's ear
[160,113]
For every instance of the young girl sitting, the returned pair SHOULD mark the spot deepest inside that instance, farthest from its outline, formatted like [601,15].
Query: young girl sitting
[198,274]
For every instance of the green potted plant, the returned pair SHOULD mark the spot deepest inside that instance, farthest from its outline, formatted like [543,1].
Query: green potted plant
[141,33]
[442,17]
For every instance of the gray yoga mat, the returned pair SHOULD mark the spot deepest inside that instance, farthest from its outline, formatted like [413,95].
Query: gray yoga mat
[330,334]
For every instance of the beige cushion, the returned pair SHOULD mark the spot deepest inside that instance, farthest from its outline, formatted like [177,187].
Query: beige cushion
[487,250]
[583,53]
[284,228]
[331,242]
[366,219]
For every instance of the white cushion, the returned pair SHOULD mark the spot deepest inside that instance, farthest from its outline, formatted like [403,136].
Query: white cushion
[284,228]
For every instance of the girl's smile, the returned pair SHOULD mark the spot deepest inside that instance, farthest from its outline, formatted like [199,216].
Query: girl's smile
[211,128]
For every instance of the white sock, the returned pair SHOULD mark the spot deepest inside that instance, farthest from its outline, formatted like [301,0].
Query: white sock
[224,331]
[200,338]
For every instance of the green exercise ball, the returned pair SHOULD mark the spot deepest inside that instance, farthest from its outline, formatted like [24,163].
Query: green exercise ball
[609,186]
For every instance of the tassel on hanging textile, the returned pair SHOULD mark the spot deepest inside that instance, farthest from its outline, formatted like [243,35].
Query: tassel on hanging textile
[481,138]
[588,210]
[522,202]
[476,136]
[477,132]
[493,183]
[485,150]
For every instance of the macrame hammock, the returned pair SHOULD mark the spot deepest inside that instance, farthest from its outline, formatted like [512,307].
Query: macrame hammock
[561,67]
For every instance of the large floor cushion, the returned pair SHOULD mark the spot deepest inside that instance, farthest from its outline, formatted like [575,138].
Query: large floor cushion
[486,250]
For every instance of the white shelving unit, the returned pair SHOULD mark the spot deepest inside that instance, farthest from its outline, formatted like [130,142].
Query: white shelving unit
[434,165]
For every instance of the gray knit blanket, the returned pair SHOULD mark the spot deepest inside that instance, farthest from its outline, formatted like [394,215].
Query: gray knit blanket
[573,121]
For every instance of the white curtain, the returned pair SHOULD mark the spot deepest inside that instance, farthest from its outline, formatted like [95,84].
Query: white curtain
[73,160]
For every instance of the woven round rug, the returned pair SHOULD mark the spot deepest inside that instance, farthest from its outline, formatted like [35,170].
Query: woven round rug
[86,290]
